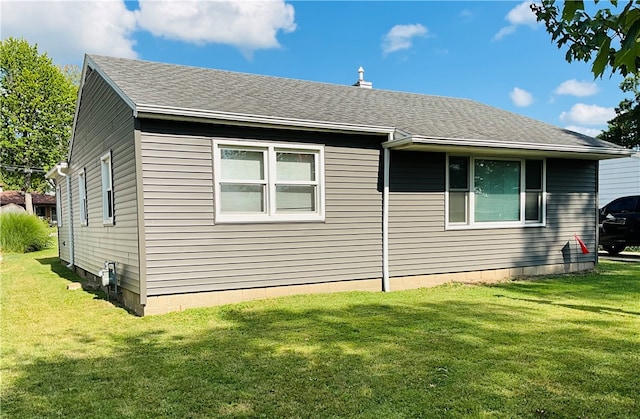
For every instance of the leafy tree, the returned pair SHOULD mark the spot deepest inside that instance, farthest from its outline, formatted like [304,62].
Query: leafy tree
[624,129]
[37,100]
[72,72]
[611,36]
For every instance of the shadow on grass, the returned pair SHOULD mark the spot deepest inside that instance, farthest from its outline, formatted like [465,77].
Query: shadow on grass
[611,281]
[378,357]
[582,307]
[62,271]
[551,348]
[59,269]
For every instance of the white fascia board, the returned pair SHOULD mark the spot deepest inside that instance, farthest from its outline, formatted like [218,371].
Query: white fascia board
[165,112]
[89,63]
[75,114]
[464,144]
[111,83]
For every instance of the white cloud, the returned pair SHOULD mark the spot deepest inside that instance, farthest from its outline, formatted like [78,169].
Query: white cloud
[68,29]
[521,97]
[248,25]
[574,87]
[467,15]
[401,36]
[581,113]
[522,15]
[591,132]
[507,30]
[519,15]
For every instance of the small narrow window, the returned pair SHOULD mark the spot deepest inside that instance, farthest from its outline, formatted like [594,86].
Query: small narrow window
[107,189]
[82,197]
[533,191]
[458,189]
[58,206]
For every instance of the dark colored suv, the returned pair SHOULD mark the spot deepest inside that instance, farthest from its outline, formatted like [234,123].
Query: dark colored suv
[620,224]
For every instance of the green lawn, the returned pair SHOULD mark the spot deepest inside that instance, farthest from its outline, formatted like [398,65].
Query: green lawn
[558,347]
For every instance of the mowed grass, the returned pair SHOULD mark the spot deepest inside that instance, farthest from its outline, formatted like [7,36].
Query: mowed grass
[567,346]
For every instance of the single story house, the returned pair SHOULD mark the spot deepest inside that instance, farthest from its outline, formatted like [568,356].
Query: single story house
[204,187]
[44,205]
[620,177]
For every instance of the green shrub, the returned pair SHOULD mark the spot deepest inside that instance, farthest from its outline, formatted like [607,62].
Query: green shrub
[22,233]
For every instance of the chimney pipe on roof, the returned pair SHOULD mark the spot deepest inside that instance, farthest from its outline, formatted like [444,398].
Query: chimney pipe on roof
[361,82]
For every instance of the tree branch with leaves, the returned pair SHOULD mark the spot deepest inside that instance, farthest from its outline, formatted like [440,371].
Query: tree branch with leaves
[609,37]
[624,129]
[37,103]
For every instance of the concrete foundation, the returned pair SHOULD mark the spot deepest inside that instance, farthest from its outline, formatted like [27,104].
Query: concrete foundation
[178,302]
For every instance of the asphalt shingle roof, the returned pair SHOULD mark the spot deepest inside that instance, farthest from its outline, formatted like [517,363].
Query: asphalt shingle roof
[190,88]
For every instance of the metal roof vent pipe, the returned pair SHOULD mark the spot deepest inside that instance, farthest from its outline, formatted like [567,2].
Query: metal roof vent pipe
[361,82]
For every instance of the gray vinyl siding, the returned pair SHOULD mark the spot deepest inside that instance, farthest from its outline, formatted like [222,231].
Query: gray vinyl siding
[618,177]
[105,123]
[420,244]
[187,252]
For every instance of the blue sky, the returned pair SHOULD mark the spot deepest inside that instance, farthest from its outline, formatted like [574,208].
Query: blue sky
[489,51]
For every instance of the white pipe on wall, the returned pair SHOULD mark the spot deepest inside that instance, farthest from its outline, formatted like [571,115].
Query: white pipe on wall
[70,221]
[59,168]
[385,218]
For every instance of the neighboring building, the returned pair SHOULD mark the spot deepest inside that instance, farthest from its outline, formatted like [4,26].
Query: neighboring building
[207,187]
[44,206]
[620,177]
[15,208]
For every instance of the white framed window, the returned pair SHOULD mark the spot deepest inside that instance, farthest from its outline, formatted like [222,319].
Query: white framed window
[490,192]
[82,197]
[58,205]
[267,182]
[106,172]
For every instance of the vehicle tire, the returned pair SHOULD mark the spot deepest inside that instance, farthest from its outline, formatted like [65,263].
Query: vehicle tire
[614,249]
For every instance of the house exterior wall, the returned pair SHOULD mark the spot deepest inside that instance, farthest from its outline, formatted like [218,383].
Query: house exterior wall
[187,251]
[618,177]
[420,244]
[104,123]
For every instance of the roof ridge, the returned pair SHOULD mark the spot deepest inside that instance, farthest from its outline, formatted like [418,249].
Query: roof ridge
[272,77]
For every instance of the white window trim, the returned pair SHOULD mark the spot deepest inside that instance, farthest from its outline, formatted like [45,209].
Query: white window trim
[471,224]
[106,220]
[58,206]
[82,197]
[270,214]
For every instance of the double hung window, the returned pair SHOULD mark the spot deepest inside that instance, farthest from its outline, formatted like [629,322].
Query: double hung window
[268,182]
[495,192]
[58,206]
[107,189]
[82,197]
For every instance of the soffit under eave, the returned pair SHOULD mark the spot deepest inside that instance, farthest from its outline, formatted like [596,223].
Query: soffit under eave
[542,150]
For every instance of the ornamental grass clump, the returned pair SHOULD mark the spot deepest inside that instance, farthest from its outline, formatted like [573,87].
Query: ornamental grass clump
[22,233]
